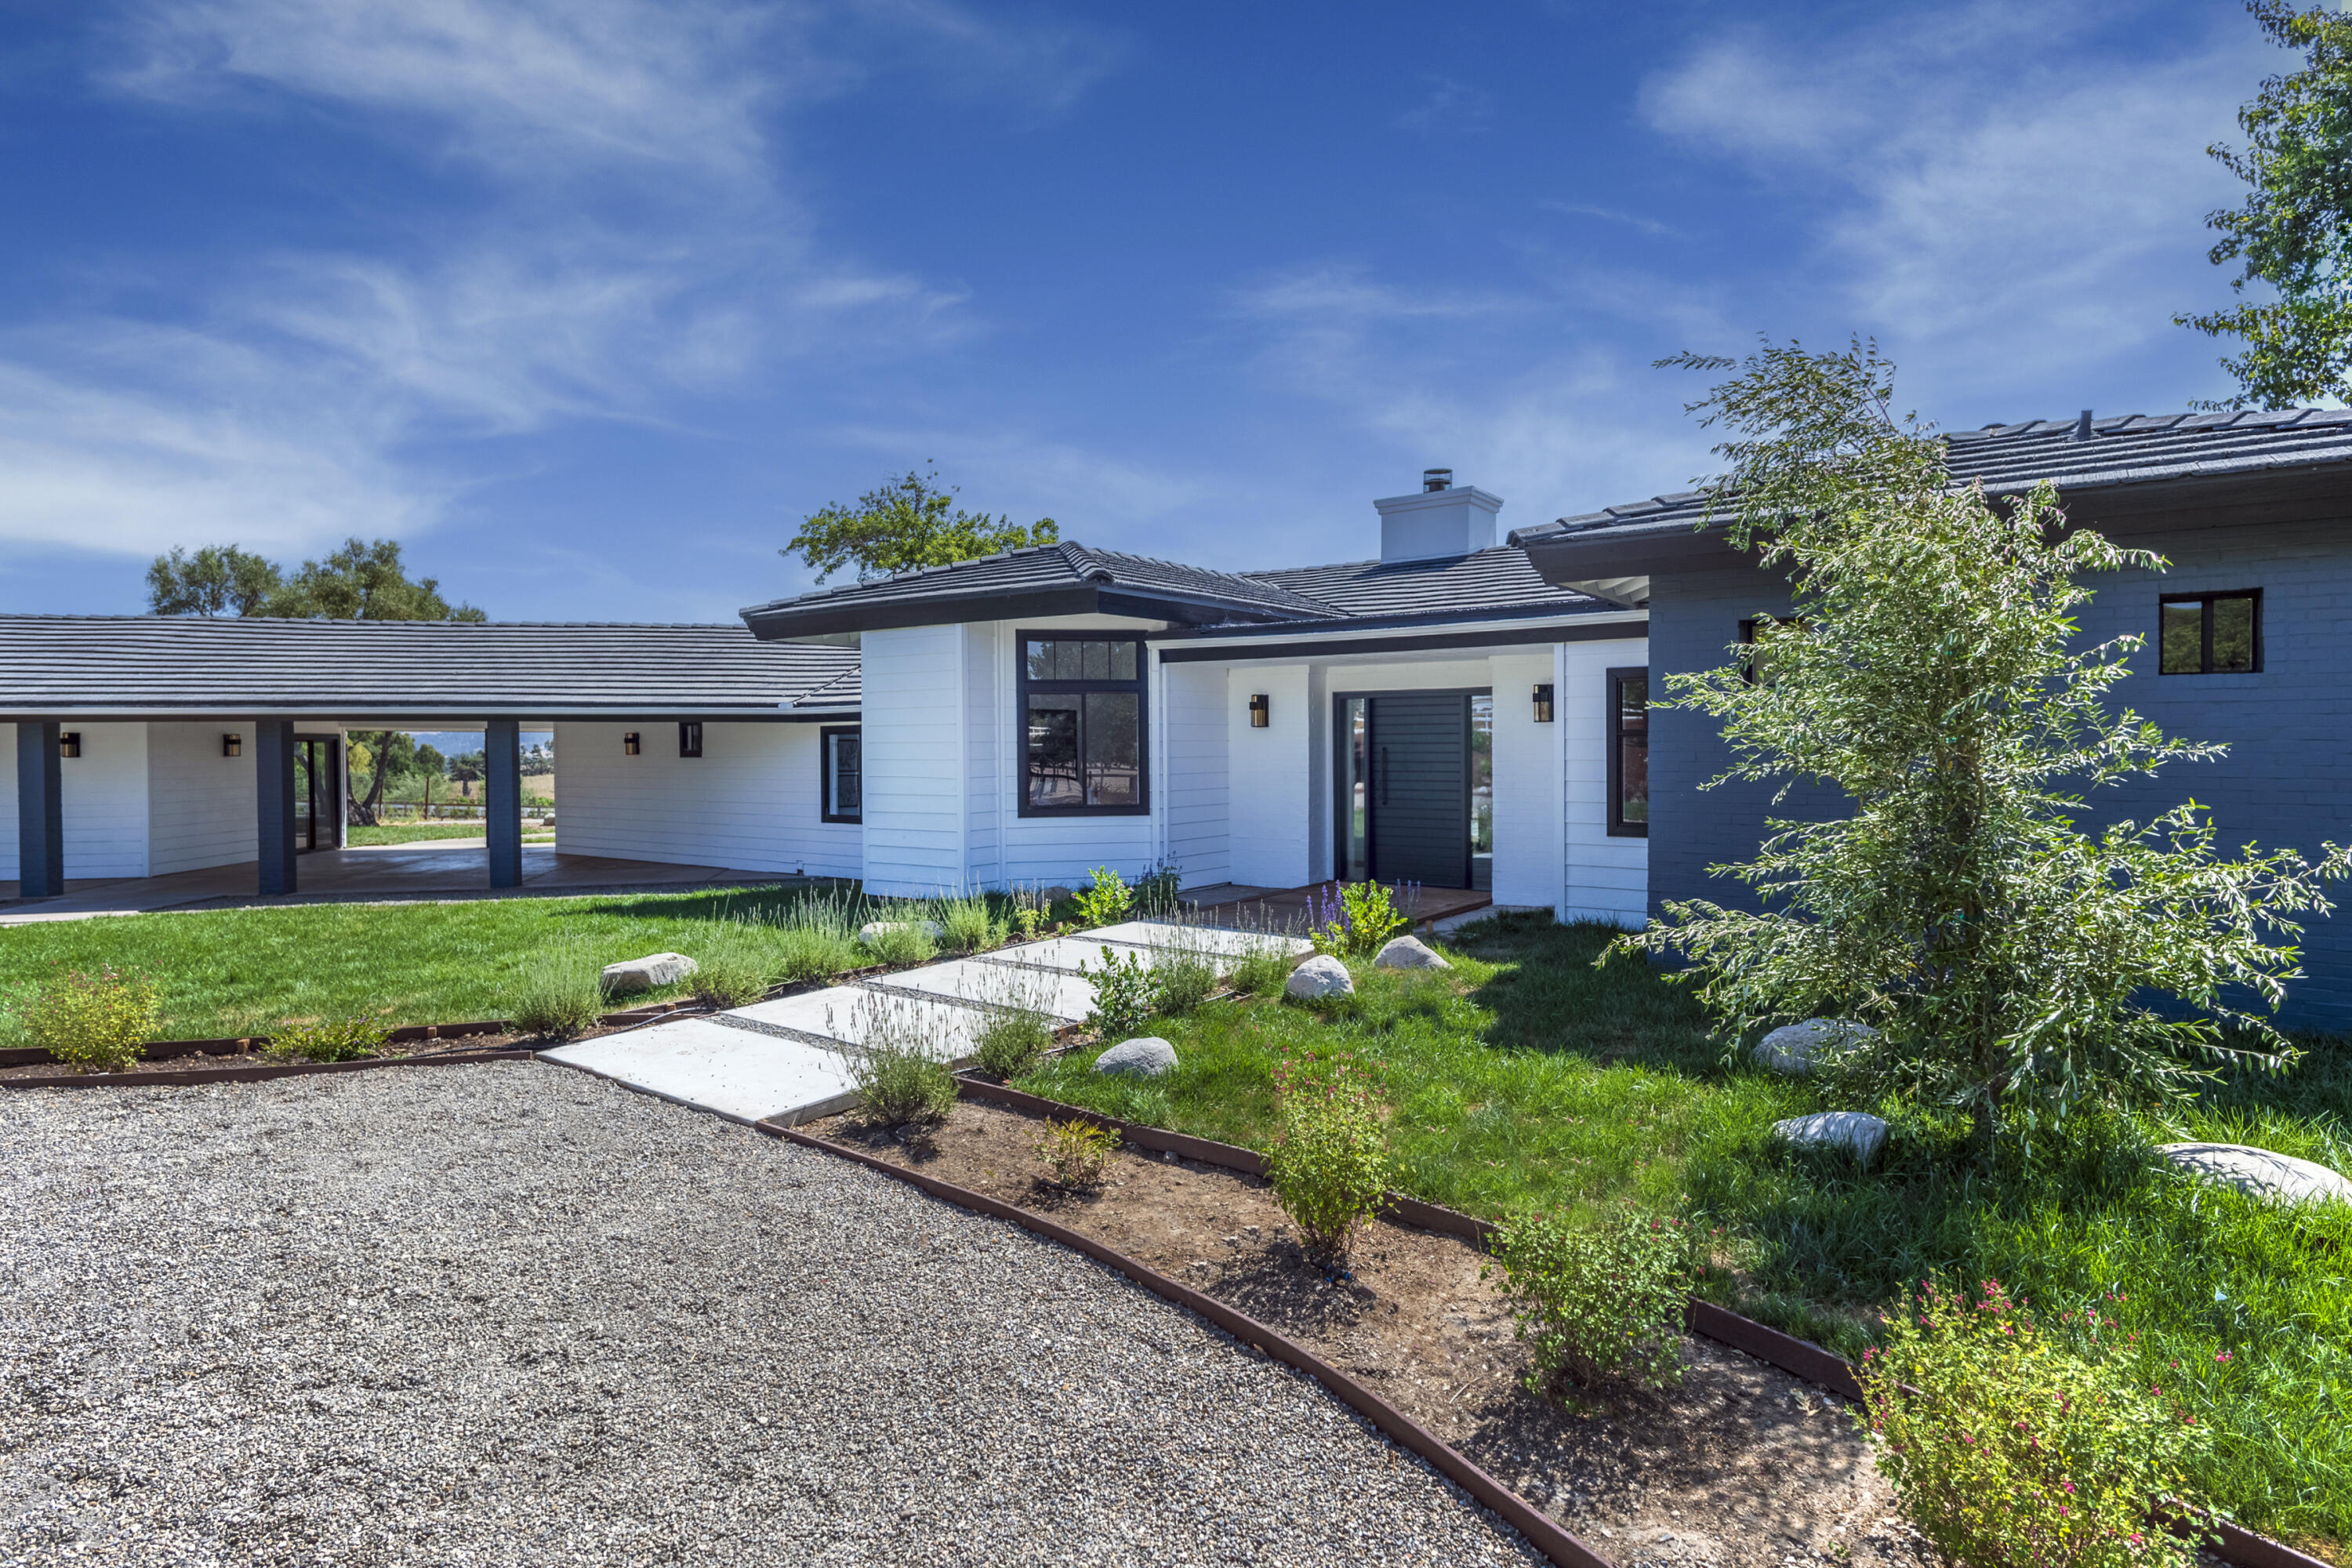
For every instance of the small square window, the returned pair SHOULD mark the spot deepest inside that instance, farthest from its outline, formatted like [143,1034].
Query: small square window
[1753,664]
[689,739]
[2210,633]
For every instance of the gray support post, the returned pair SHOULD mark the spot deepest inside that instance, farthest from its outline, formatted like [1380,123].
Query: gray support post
[273,802]
[40,814]
[502,799]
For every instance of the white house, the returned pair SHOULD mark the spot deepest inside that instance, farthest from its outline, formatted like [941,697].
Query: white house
[1439,714]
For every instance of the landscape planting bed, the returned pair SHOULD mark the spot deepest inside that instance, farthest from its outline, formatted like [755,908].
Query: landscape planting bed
[1741,1464]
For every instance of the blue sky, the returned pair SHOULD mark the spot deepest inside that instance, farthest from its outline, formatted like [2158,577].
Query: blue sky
[588,301]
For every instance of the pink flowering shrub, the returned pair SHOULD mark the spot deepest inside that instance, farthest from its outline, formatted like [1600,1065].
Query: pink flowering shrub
[1330,1162]
[2009,1449]
[1599,1301]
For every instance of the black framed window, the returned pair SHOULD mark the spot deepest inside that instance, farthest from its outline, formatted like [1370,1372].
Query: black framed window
[1753,664]
[1629,753]
[1084,726]
[844,767]
[2210,633]
[690,737]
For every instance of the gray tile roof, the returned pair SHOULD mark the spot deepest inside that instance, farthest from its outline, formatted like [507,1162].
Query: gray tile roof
[161,664]
[1048,567]
[2135,449]
[1500,579]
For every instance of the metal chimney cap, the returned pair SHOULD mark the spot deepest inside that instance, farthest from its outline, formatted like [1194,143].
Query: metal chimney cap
[1436,480]
[2082,426]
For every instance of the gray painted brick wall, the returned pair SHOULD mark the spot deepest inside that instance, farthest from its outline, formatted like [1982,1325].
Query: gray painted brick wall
[2287,780]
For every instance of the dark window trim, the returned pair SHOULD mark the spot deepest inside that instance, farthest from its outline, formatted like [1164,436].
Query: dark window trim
[1614,739]
[825,803]
[2205,629]
[689,737]
[1023,685]
[1748,635]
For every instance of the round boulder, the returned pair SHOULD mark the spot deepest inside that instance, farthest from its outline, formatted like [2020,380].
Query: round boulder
[2259,1173]
[1149,1057]
[1794,1047]
[1321,975]
[1857,1132]
[648,973]
[1409,953]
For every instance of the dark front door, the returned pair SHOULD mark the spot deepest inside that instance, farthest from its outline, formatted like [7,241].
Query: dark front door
[316,797]
[1405,787]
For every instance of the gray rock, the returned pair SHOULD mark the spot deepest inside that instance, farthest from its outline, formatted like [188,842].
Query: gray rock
[2281,1178]
[1794,1047]
[873,929]
[1857,1132]
[649,973]
[1150,1056]
[1321,975]
[1409,953]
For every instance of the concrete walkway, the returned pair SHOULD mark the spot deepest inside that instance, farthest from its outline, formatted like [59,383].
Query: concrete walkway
[786,1060]
[436,870]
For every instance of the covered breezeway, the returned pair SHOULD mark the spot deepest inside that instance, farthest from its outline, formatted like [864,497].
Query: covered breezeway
[156,758]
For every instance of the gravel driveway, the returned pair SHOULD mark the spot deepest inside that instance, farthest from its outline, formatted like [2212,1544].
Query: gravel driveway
[514,1314]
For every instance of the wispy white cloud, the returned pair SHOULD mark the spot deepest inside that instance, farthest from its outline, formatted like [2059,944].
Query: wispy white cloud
[1610,215]
[1449,105]
[616,231]
[1996,203]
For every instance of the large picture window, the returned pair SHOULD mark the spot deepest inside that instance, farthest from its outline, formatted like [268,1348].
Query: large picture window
[844,766]
[2210,633]
[1084,725]
[1629,753]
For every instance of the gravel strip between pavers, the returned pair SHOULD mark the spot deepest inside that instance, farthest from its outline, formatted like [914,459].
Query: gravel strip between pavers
[513,1314]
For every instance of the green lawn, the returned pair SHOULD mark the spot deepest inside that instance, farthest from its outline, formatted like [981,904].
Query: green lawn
[411,832]
[1531,1077]
[241,972]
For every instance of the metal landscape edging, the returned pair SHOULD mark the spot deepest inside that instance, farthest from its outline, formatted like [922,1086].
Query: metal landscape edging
[1542,1531]
[1799,1358]
[258,1074]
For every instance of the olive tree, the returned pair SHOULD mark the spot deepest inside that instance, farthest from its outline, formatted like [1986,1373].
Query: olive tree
[2011,957]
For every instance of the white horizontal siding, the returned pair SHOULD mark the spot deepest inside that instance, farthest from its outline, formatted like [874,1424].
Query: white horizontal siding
[1271,800]
[200,805]
[914,714]
[104,792]
[1195,771]
[751,802]
[1603,878]
[1528,784]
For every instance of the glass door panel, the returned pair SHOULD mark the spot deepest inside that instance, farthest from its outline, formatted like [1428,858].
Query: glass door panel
[1356,799]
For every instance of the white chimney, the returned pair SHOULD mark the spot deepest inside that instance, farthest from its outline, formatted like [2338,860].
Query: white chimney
[1443,521]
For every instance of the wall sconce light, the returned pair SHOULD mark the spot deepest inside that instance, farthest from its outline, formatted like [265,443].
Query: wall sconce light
[69,742]
[1261,711]
[629,743]
[1543,702]
[231,745]
[689,739]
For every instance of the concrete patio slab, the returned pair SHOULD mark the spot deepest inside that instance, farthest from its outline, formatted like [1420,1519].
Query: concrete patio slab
[740,1075]
[1063,996]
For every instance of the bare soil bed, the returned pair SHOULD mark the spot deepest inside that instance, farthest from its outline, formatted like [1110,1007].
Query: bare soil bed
[1739,1465]
[233,1060]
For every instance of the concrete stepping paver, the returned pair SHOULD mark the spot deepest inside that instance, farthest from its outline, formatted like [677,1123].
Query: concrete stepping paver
[850,1013]
[1215,939]
[1063,996]
[1066,952]
[739,1074]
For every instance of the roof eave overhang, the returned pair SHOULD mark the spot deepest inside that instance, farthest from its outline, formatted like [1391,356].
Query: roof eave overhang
[799,622]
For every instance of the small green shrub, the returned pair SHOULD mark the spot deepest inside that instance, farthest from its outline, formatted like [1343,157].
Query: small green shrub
[335,1040]
[1155,891]
[901,940]
[1184,975]
[970,924]
[1329,1161]
[816,937]
[1262,972]
[1012,1039]
[1355,919]
[559,995]
[900,1066]
[1124,994]
[1030,914]
[734,965]
[2006,1447]
[1599,1301]
[1077,1153]
[1106,902]
[100,1018]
